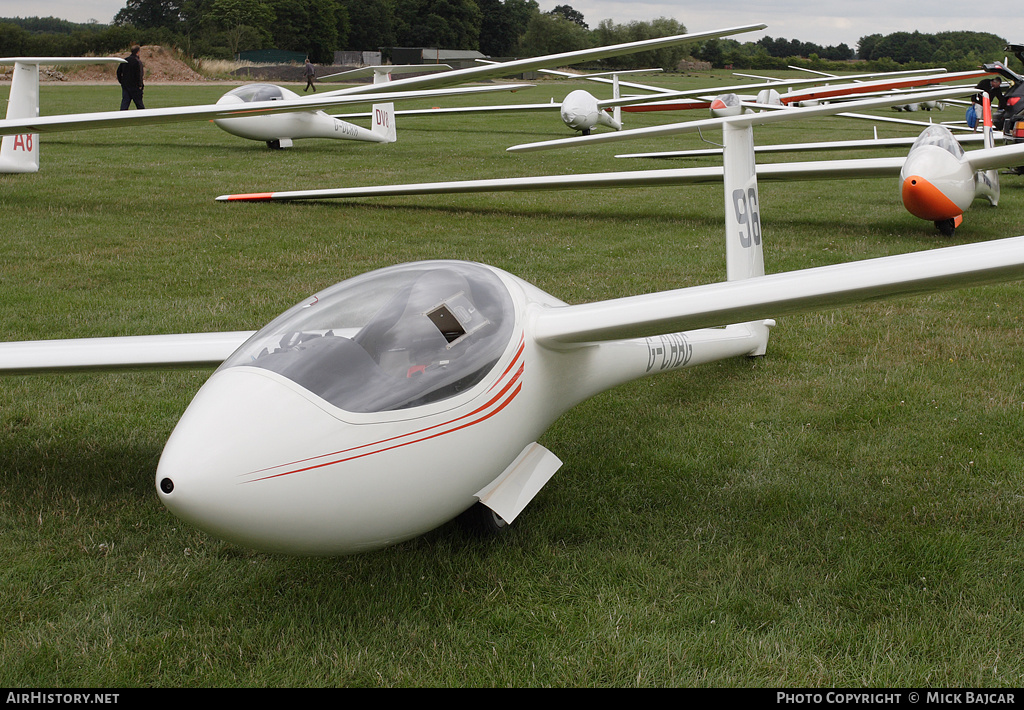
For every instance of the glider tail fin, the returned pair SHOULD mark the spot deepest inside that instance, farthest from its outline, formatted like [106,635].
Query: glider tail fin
[617,111]
[986,116]
[744,255]
[20,153]
[384,122]
[614,119]
[986,183]
[743,251]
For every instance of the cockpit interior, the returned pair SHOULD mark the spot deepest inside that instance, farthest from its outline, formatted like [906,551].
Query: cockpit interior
[395,338]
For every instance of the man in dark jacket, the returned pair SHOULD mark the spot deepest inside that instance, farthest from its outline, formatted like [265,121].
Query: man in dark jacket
[129,75]
[994,88]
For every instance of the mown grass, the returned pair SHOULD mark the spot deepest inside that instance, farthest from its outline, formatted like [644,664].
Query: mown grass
[845,511]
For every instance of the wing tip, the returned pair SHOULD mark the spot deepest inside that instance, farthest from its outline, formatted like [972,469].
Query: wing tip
[247,197]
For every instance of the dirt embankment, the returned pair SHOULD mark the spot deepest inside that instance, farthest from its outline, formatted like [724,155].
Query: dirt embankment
[164,65]
[161,65]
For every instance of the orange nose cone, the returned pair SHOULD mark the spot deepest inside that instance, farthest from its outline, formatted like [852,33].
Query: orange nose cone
[924,200]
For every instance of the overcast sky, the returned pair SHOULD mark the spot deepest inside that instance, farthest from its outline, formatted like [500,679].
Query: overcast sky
[824,22]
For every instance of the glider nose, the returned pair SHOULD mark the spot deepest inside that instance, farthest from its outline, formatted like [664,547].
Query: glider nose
[579,110]
[726,105]
[215,471]
[924,200]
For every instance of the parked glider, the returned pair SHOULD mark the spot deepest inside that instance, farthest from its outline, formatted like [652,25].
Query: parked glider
[23,123]
[244,112]
[384,406]
[579,110]
[256,130]
[939,180]
[582,111]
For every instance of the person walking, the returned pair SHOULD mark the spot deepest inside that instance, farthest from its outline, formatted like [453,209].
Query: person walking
[310,73]
[130,77]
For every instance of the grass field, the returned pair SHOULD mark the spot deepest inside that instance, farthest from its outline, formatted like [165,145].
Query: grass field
[843,512]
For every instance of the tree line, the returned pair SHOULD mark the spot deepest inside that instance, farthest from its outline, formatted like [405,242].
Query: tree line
[497,28]
[956,51]
[223,28]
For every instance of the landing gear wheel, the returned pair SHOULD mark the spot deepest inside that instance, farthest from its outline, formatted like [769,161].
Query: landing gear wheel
[946,227]
[274,145]
[481,520]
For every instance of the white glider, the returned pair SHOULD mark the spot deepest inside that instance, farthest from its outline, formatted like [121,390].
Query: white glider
[258,112]
[245,113]
[939,180]
[579,110]
[384,406]
[582,111]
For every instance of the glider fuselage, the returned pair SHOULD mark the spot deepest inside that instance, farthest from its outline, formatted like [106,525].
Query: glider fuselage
[389,404]
[274,128]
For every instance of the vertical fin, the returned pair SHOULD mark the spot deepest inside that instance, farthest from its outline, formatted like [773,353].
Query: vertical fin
[617,111]
[986,183]
[986,115]
[384,122]
[744,255]
[20,153]
[612,120]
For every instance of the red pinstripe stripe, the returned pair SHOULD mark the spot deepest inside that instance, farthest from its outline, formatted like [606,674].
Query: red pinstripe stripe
[514,380]
[396,446]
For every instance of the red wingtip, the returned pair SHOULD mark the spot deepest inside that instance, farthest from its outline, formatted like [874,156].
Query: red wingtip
[250,197]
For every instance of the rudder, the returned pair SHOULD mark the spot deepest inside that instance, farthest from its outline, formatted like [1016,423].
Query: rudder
[20,153]
[744,253]
[384,122]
